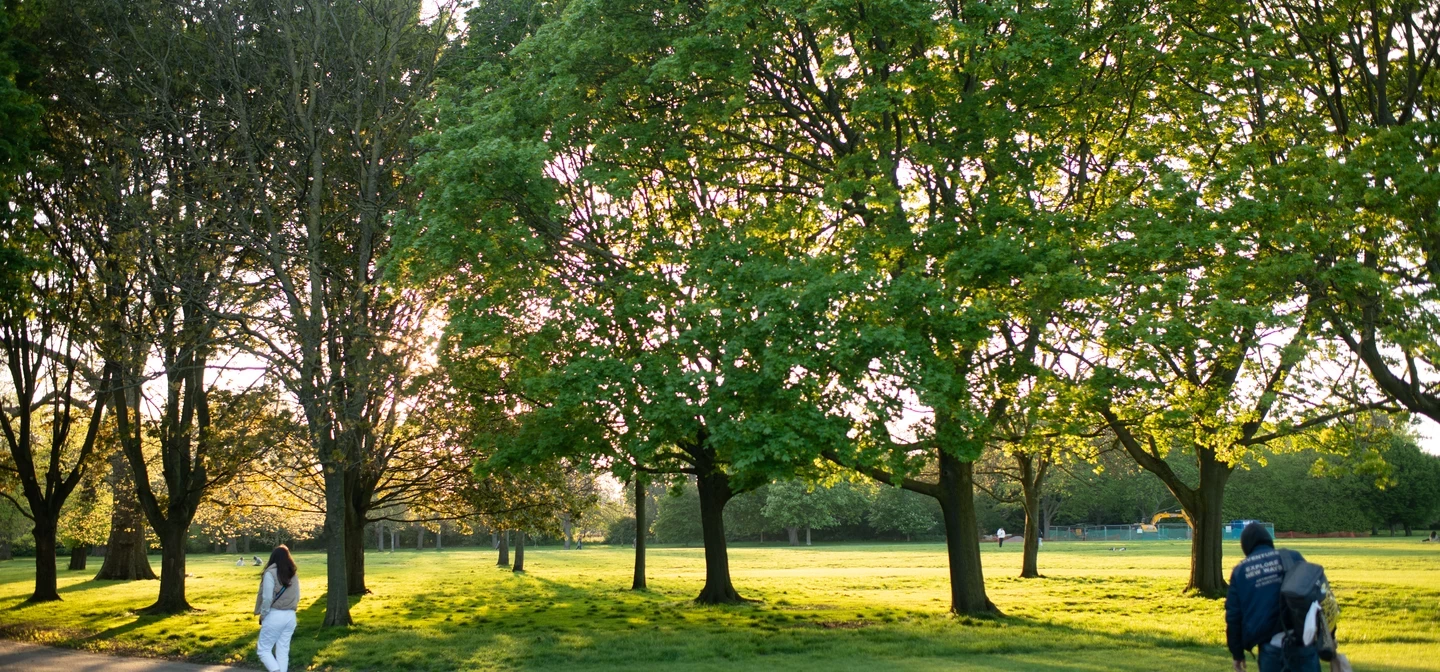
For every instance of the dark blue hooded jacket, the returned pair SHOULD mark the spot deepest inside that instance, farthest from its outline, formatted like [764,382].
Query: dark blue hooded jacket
[1252,607]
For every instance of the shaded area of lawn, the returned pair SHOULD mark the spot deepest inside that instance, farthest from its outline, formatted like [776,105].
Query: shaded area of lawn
[826,608]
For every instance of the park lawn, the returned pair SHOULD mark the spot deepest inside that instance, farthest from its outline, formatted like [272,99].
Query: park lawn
[828,608]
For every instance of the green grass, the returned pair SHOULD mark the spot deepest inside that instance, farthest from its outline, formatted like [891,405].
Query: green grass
[827,608]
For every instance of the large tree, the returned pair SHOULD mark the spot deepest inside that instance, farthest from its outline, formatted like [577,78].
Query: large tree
[1209,338]
[639,309]
[51,409]
[324,99]
[1345,96]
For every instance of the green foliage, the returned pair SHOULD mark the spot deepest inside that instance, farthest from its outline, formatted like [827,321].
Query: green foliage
[677,518]
[902,512]
[793,503]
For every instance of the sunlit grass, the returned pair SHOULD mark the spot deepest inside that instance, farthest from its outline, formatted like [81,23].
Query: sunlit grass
[830,608]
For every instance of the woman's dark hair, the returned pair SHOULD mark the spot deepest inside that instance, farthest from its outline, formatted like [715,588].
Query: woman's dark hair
[284,564]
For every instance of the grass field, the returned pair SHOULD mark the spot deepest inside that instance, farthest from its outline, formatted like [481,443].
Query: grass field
[830,608]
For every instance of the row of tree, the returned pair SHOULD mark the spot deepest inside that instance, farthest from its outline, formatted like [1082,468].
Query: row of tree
[747,242]
[197,209]
[742,243]
[1298,492]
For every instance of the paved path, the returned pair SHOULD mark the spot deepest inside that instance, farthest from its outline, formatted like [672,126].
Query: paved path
[34,658]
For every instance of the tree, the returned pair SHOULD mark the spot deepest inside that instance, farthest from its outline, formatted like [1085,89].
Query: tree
[1354,90]
[83,522]
[675,356]
[1410,495]
[324,100]
[795,504]
[50,411]
[901,511]
[1211,334]
[126,548]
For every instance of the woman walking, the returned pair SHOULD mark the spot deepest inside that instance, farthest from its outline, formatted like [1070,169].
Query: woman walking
[275,605]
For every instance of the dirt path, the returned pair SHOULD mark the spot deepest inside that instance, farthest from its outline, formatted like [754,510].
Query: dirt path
[34,658]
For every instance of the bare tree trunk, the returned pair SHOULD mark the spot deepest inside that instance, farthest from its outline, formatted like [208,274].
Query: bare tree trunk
[125,551]
[394,539]
[440,538]
[794,533]
[78,553]
[638,582]
[962,537]
[504,547]
[419,538]
[519,553]
[715,492]
[172,573]
[565,529]
[807,535]
[337,598]
[46,578]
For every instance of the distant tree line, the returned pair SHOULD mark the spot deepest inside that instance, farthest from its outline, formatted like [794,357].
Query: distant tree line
[1297,491]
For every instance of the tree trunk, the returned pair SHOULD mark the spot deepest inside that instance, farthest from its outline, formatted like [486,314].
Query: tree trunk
[1030,553]
[232,545]
[46,574]
[962,538]
[337,598]
[355,554]
[565,529]
[794,533]
[1403,526]
[1032,480]
[440,537]
[807,535]
[420,539]
[715,492]
[172,572]
[494,539]
[125,551]
[519,553]
[78,554]
[5,552]
[638,583]
[394,538]
[245,544]
[504,547]
[1207,573]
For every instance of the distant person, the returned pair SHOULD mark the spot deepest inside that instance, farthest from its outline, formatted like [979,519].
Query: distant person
[1000,537]
[239,562]
[1252,608]
[275,605]
[1434,537]
[257,561]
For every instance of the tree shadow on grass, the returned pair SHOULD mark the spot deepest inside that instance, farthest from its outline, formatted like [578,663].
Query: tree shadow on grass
[541,624]
[95,583]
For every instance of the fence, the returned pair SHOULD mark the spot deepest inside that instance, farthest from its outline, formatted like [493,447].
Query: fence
[1164,532]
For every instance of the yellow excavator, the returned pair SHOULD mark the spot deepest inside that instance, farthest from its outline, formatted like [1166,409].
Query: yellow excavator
[1163,515]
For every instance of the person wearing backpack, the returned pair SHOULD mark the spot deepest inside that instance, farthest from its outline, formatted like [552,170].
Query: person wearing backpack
[275,604]
[1254,608]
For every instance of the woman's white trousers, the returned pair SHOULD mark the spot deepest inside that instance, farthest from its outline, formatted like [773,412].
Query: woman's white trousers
[275,632]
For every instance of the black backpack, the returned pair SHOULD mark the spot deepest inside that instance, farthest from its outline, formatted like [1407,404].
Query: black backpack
[1305,585]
